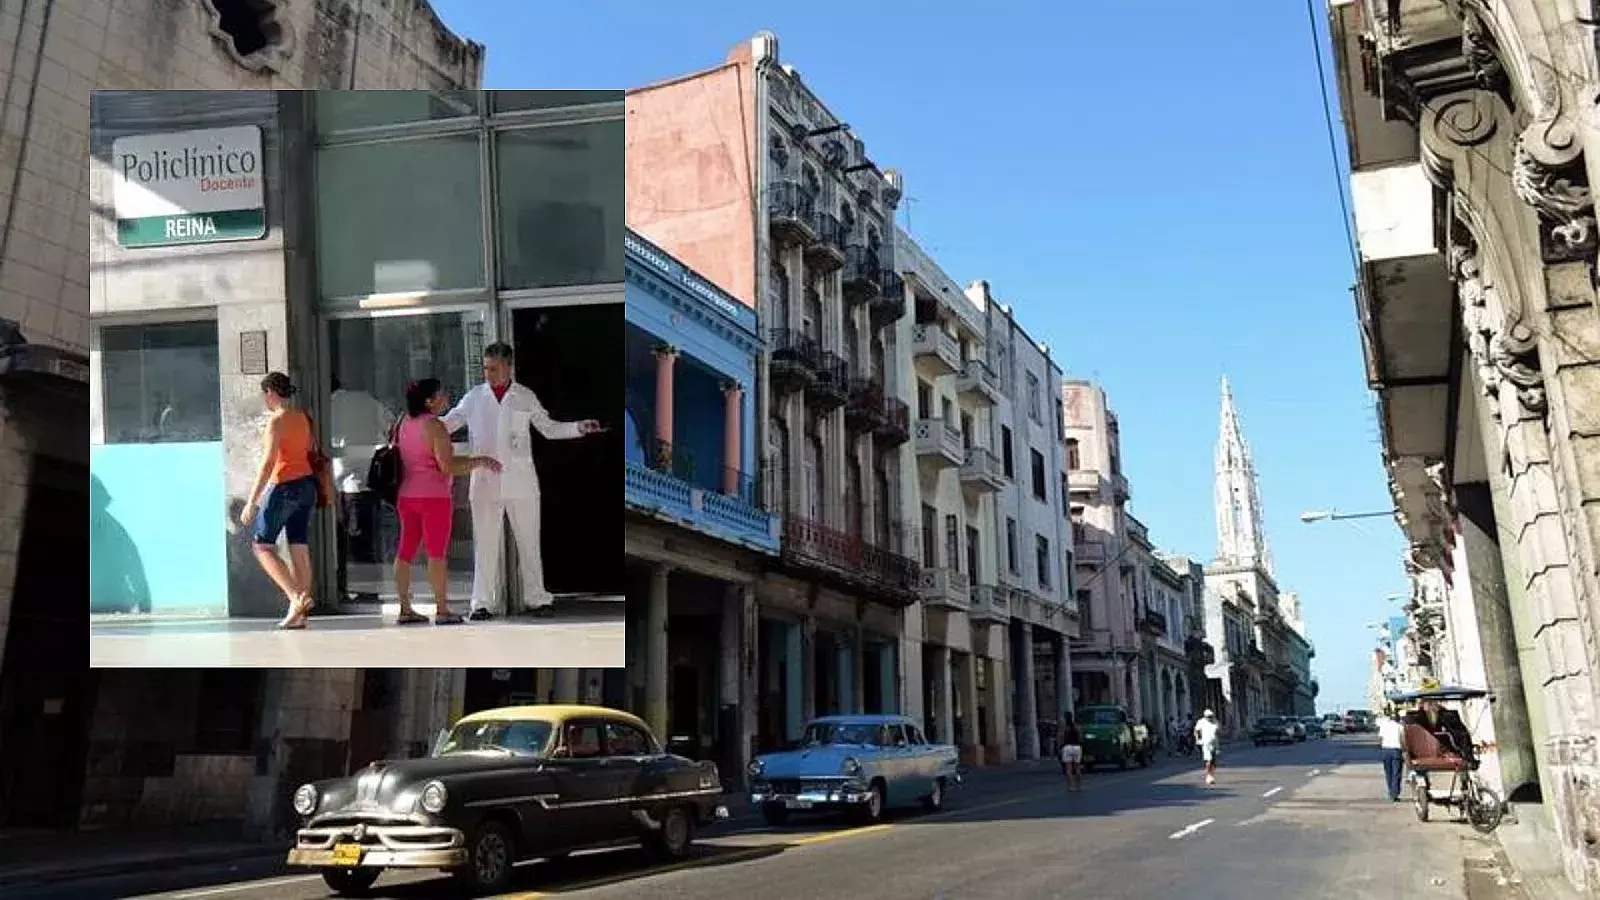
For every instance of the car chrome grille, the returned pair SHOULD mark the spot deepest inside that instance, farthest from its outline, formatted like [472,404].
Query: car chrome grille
[785,785]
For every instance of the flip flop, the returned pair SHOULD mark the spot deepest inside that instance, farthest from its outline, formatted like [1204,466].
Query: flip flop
[410,618]
[451,619]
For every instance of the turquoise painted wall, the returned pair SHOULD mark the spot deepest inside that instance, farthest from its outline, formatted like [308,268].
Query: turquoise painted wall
[157,536]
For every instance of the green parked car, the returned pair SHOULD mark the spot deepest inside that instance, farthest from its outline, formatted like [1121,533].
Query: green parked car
[1111,738]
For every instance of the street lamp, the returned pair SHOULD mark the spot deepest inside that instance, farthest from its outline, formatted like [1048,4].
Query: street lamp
[1312,516]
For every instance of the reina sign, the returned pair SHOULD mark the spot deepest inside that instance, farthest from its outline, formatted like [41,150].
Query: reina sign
[189,187]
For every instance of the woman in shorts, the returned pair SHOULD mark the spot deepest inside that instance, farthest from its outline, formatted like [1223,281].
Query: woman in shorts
[1071,753]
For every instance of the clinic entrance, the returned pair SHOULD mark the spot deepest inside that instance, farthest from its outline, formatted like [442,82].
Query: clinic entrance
[569,353]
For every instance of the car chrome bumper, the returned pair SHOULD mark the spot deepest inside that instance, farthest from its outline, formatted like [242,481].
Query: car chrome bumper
[380,846]
[812,798]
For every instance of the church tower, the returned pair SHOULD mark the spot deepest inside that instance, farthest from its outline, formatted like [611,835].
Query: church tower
[1241,540]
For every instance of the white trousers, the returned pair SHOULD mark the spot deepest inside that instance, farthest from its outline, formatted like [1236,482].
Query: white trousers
[488,552]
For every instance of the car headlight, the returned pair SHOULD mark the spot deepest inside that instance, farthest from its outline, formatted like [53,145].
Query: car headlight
[305,800]
[852,766]
[433,797]
[755,768]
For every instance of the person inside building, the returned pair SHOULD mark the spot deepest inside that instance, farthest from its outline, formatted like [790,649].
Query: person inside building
[289,472]
[358,424]
[500,416]
[424,501]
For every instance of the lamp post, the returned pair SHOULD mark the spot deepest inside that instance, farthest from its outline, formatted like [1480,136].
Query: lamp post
[1312,516]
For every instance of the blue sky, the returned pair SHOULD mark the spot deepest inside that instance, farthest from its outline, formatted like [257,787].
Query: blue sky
[1147,183]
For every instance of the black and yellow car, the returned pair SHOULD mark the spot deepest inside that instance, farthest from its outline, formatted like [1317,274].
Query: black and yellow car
[504,786]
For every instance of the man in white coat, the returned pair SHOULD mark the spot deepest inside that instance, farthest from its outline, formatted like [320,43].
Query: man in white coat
[498,416]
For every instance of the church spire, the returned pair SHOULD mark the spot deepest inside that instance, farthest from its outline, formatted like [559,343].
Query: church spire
[1241,540]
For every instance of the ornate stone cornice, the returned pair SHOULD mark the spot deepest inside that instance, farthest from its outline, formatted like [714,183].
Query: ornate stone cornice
[1502,350]
[1563,201]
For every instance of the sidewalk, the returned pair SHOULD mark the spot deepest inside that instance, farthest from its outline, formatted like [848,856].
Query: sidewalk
[32,858]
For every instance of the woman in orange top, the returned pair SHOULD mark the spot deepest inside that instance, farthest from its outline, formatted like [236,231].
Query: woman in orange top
[289,477]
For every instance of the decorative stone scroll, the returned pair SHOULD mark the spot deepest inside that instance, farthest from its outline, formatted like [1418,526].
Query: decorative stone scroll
[1565,206]
[1501,350]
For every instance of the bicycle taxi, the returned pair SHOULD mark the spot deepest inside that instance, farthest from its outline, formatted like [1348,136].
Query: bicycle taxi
[1444,767]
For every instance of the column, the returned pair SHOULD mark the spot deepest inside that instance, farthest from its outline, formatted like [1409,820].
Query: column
[944,695]
[568,685]
[731,737]
[666,359]
[805,664]
[797,699]
[1064,676]
[655,652]
[858,671]
[1027,697]
[886,675]
[969,692]
[732,431]
[844,685]
[305,726]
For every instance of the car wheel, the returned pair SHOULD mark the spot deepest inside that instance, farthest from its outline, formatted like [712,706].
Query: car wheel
[774,815]
[935,799]
[490,855]
[872,810]
[350,882]
[675,837]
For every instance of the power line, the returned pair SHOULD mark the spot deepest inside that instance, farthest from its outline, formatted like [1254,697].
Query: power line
[1345,223]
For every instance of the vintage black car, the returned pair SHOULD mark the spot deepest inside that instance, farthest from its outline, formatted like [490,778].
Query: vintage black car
[502,787]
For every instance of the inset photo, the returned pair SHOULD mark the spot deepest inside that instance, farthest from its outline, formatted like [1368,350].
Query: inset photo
[356,376]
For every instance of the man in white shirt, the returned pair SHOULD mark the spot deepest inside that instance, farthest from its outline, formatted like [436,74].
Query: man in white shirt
[1205,737]
[358,424]
[499,416]
[1392,743]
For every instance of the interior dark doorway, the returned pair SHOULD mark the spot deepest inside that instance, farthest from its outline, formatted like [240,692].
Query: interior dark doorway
[571,356]
[46,685]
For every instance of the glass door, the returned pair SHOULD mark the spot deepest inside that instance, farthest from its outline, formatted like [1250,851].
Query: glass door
[371,358]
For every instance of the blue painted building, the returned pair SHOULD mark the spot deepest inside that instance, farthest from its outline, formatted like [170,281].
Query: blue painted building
[697,535]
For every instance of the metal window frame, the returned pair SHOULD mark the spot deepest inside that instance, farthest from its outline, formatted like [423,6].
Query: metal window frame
[98,322]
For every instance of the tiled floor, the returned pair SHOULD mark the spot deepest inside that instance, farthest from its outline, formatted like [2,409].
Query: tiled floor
[590,635]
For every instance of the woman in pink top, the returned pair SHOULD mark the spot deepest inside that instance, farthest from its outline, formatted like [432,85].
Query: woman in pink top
[428,465]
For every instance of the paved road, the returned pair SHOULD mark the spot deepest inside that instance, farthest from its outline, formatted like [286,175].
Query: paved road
[1307,821]
[586,635]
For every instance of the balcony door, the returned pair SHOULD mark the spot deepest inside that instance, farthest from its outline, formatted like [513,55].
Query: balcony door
[812,475]
[972,556]
[952,542]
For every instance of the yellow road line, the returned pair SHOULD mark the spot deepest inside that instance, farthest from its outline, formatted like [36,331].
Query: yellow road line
[823,837]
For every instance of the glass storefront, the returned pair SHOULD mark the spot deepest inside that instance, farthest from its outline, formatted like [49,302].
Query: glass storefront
[438,214]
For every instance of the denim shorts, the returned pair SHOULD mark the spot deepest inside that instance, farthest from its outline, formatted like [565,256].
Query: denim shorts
[287,510]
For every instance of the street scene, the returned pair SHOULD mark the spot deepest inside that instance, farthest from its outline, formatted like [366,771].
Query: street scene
[1292,818]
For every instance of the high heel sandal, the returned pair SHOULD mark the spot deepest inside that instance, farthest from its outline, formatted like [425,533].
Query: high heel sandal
[299,611]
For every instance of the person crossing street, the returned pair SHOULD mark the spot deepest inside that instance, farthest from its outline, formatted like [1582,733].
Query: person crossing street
[1205,737]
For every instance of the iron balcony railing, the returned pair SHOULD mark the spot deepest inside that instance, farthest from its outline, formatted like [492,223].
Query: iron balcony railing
[830,232]
[863,273]
[790,200]
[814,546]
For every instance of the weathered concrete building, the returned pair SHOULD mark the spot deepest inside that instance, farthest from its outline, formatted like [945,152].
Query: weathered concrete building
[1474,151]
[59,52]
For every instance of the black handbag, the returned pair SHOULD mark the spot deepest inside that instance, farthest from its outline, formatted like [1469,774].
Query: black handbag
[383,474]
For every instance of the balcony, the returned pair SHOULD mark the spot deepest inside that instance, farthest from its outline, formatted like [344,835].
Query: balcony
[1090,552]
[1153,623]
[982,471]
[1194,626]
[791,212]
[863,274]
[1120,488]
[939,444]
[831,388]
[849,562]
[944,589]
[1083,480]
[990,604]
[826,254]
[794,359]
[939,352]
[662,493]
[889,306]
[1199,651]
[978,383]
[866,410]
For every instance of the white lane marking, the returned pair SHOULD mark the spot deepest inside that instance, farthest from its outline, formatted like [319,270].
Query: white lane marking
[1271,792]
[236,888]
[1189,829]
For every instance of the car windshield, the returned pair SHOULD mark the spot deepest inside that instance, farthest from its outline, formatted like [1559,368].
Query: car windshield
[523,738]
[826,733]
[1269,722]
[1102,717]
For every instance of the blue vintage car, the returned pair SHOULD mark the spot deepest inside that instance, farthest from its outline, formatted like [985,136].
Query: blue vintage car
[860,763]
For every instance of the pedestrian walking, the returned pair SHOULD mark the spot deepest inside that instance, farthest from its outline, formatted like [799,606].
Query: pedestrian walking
[1205,735]
[1391,743]
[500,416]
[1071,753]
[289,473]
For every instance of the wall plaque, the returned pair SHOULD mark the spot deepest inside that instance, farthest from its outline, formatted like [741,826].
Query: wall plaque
[253,353]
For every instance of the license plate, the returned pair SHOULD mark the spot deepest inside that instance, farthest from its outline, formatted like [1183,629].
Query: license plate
[798,804]
[347,854]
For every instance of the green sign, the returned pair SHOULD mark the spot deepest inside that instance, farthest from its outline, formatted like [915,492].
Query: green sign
[193,228]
